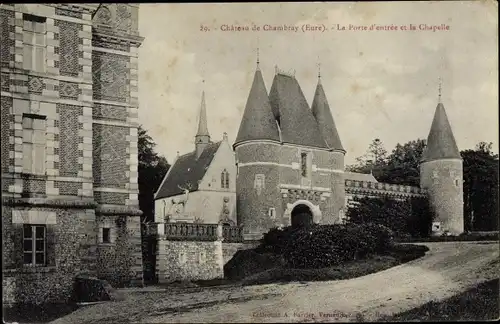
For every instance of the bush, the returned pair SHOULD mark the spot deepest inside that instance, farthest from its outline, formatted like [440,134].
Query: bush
[326,245]
[277,239]
[410,217]
[247,262]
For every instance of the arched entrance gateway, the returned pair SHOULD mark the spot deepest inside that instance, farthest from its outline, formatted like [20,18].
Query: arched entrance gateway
[301,216]
[302,212]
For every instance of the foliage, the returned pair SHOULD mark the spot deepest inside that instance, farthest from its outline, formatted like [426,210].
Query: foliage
[480,188]
[399,167]
[411,217]
[374,159]
[152,169]
[480,172]
[326,245]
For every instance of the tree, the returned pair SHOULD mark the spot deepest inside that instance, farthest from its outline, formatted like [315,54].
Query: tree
[373,161]
[403,164]
[399,167]
[152,169]
[481,177]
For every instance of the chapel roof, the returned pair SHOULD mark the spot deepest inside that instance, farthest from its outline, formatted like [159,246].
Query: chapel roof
[187,170]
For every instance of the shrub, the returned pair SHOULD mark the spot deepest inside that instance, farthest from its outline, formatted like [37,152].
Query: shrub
[326,245]
[410,217]
[277,239]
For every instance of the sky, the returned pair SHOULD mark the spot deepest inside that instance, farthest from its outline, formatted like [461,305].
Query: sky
[379,83]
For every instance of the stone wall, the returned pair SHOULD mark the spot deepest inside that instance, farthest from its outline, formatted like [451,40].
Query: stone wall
[117,260]
[66,250]
[443,179]
[189,260]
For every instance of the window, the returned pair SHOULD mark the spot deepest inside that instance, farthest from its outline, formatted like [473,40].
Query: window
[34,144]
[34,240]
[34,39]
[224,179]
[304,165]
[272,213]
[106,235]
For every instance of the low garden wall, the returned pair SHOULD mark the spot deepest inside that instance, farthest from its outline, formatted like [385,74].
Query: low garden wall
[196,251]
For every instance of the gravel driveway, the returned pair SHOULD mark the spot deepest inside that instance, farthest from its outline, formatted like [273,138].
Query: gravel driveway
[448,268]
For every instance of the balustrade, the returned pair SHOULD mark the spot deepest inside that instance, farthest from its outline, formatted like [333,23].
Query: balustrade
[201,232]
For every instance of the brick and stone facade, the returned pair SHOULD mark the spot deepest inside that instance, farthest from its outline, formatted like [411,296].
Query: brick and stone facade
[73,69]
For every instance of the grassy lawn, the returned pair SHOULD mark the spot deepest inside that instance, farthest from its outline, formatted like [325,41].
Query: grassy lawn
[478,303]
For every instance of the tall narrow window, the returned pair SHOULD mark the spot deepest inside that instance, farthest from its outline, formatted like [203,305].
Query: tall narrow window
[224,179]
[34,144]
[34,239]
[303,164]
[106,235]
[34,39]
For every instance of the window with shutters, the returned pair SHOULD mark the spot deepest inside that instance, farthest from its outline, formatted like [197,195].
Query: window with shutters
[35,244]
[34,144]
[34,43]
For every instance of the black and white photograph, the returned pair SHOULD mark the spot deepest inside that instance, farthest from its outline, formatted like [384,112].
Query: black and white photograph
[265,162]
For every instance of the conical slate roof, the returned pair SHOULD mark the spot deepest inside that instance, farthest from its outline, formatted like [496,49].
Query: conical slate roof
[321,111]
[258,122]
[290,108]
[440,142]
[202,123]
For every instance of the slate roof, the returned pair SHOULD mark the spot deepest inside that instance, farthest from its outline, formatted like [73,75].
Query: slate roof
[290,108]
[258,121]
[321,111]
[359,177]
[440,142]
[187,169]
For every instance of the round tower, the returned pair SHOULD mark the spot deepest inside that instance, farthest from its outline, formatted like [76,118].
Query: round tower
[441,174]
[256,149]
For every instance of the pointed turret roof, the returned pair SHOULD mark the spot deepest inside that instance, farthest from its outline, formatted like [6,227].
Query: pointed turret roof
[202,123]
[290,108]
[322,113]
[440,142]
[258,122]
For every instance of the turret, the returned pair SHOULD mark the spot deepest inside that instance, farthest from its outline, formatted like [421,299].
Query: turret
[441,174]
[322,113]
[257,148]
[202,138]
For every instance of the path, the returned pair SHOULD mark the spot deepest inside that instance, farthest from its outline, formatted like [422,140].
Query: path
[447,269]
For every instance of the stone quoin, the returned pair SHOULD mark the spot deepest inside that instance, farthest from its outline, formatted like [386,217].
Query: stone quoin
[69,109]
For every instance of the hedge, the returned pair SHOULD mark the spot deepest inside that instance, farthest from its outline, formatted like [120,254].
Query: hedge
[327,245]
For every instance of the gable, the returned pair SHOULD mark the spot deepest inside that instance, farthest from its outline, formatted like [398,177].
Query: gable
[187,171]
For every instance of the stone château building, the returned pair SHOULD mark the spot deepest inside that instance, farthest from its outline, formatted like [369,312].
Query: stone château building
[290,165]
[69,109]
